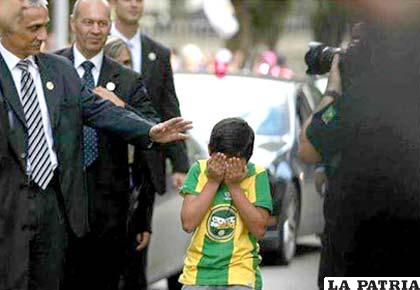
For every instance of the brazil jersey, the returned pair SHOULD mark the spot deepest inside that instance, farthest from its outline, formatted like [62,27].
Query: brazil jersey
[222,250]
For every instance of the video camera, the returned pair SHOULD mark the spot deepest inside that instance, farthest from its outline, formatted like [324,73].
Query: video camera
[319,58]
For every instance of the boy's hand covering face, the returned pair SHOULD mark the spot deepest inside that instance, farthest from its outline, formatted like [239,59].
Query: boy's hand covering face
[236,170]
[216,167]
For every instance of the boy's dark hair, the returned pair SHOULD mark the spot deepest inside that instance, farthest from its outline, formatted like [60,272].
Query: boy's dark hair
[233,137]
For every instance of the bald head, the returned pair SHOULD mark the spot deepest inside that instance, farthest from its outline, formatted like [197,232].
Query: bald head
[91,24]
[82,4]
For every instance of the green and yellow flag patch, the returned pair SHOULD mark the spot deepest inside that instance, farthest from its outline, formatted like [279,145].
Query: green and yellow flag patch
[329,114]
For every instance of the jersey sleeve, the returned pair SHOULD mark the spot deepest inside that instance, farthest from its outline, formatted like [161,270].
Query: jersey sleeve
[263,194]
[190,183]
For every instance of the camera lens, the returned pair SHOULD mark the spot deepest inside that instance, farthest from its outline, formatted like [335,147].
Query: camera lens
[319,58]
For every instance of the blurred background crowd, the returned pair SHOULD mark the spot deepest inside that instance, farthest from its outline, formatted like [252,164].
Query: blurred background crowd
[263,37]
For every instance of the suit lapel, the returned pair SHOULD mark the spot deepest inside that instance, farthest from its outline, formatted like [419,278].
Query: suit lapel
[10,93]
[68,53]
[107,73]
[4,127]
[12,113]
[147,64]
[49,85]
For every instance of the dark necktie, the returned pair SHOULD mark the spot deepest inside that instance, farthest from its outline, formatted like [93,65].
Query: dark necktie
[41,167]
[90,136]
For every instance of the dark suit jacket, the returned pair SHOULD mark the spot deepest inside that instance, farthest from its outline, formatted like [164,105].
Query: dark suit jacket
[158,78]
[108,176]
[70,106]
[148,165]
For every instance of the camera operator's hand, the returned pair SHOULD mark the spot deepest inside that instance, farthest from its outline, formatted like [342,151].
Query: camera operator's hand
[216,167]
[333,89]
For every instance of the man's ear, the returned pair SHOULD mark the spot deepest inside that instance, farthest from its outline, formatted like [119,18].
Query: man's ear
[72,20]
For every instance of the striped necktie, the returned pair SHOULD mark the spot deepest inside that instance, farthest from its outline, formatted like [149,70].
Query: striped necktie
[90,136]
[41,167]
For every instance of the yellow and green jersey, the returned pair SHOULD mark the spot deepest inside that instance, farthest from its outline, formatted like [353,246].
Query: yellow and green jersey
[222,250]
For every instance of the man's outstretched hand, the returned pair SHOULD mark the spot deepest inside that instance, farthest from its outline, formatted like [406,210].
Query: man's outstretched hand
[171,130]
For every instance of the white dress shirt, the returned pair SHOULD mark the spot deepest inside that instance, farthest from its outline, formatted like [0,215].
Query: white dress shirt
[134,44]
[96,60]
[12,62]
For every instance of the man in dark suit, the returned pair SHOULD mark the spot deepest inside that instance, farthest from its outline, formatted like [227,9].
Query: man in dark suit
[152,60]
[42,109]
[108,174]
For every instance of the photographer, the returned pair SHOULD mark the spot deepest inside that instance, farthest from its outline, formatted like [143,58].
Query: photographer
[317,145]
[310,144]
[322,59]
[372,206]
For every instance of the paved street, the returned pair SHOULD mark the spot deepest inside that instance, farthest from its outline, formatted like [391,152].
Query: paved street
[301,274]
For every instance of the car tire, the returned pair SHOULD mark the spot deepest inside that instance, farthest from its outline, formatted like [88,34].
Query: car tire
[288,225]
[173,283]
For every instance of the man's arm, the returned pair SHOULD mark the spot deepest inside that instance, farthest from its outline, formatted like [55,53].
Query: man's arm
[306,151]
[142,217]
[138,101]
[103,114]
[177,151]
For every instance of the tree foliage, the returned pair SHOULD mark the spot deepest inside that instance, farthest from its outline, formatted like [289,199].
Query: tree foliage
[329,22]
[261,23]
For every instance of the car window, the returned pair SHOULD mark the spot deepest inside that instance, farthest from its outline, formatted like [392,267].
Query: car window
[194,150]
[206,99]
[266,104]
[275,122]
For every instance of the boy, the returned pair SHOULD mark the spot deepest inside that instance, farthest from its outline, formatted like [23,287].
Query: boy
[227,202]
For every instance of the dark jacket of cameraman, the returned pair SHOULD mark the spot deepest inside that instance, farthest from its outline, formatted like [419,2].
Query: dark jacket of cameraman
[372,209]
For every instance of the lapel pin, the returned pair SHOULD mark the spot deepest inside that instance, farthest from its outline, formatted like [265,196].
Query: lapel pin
[152,56]
[50,86]
[110,86]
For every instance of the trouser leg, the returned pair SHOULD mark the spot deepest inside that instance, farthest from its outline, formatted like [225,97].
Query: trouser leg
[48,243]
[135,270]
[95,262]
